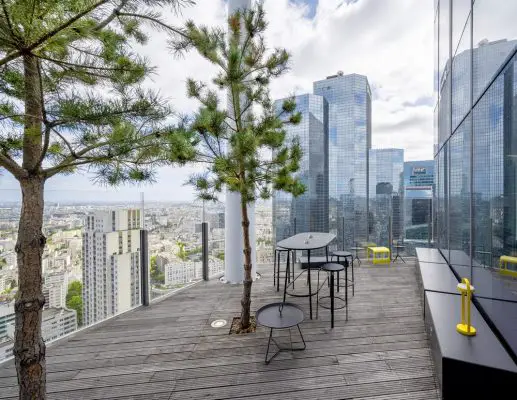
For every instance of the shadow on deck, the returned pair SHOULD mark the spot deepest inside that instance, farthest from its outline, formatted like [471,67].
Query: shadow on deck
[170,351]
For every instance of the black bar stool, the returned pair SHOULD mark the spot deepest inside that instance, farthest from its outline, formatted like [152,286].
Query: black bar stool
[339,254]
[276,270]
[331,268]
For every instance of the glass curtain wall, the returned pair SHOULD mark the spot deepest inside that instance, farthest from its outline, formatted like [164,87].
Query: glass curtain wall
[349,99]
[475,208]
[308,212]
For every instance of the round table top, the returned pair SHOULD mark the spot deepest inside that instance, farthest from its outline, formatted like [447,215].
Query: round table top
[332,267]
[279,315]
[341,253]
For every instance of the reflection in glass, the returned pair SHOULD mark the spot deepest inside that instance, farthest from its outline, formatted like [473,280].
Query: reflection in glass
[308,212]
[349,99]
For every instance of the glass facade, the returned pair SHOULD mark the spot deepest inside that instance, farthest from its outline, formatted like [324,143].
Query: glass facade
[308,212]
[475,208]
[349,99]
[386,193]
[418,197]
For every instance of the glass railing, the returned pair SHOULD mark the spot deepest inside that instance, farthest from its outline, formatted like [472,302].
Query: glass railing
[92,262]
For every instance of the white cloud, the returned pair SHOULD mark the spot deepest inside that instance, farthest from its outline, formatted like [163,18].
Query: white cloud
[391,42]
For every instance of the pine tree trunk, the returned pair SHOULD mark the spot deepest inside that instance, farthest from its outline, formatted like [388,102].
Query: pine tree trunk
[29,348]
[248,281]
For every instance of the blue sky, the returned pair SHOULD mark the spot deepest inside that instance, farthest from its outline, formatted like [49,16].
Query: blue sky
[391,42]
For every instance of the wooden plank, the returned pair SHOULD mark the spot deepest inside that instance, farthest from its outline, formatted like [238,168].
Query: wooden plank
[169,351]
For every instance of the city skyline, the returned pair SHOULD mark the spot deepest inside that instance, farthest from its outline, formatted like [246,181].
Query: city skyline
[402,105]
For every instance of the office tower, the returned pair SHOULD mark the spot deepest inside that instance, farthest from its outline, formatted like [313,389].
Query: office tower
[308,212]
[349,99]
[418,197]
[386,193]
[111,263]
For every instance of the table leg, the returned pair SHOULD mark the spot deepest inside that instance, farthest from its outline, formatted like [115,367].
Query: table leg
[346,290]
[309,277]
[332,299]
[286,273]
[277,266]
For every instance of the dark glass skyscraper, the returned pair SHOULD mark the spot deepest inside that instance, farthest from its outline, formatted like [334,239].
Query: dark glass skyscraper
[386,167]
[349,99]
[308,212]
[418,196]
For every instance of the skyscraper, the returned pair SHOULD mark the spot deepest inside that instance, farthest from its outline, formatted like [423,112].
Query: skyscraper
[111,263]
[350,134]
[308,212]
[386,168]
[418,195]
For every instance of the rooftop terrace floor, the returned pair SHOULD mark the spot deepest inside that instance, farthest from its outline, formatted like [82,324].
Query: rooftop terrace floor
[169,350]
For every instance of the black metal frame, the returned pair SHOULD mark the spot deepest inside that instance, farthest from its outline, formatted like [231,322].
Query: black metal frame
[333,297]
[276,267]
[356,257]
[308,271]
[346,265]
[280,348]
[397,247]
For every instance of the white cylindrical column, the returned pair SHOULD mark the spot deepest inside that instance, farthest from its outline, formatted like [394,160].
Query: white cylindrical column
[234,242]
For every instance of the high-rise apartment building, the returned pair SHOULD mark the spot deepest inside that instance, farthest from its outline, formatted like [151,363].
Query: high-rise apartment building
[350,133]
[386,194]
[55,287]
[111,263]
[308,212]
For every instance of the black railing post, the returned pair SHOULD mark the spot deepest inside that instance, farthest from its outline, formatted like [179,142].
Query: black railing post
[204,247]
[144,266]
[343,236]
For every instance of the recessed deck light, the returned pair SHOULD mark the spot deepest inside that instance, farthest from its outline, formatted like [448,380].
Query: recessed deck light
[218,323]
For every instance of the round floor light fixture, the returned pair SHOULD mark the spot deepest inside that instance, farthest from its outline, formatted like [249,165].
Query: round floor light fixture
[218,323]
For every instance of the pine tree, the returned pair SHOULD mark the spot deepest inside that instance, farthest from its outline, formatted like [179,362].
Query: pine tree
[235,139]
[71,98]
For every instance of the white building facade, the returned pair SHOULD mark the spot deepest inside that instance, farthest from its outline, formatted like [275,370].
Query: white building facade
[111,263]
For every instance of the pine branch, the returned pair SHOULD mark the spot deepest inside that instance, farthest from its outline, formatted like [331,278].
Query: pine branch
[8,21]
[112,16]
[155,21]
[52,33]
[12,166]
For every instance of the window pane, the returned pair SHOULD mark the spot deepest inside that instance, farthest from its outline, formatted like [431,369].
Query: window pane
[459,189]
[495,34]
[460,13]
[461,78]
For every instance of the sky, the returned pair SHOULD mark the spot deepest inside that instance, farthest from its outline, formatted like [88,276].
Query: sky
[391,42]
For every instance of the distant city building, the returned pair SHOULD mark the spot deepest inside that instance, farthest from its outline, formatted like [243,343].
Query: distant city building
[349,140]
[55,287]
[55,323]
[6,316]
[181,272]
[418,197]
[308,212]
[386,195]
[111,263]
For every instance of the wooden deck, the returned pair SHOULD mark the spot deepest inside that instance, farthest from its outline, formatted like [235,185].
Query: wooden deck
[169,351]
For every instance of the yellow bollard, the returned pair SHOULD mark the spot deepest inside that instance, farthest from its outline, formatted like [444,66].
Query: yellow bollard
[466,290]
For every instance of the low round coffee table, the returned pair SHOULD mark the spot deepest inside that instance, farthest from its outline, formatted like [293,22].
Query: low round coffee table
[280,316]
